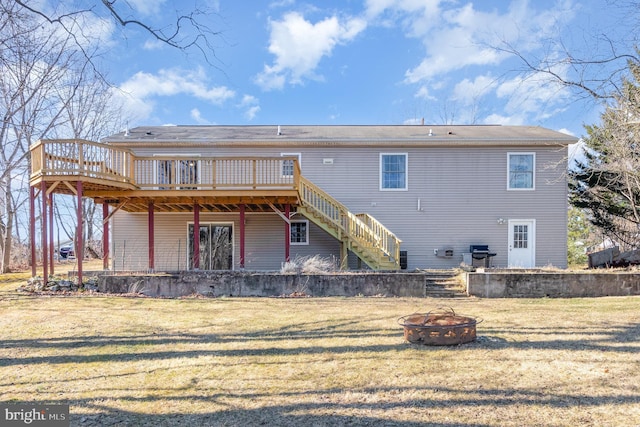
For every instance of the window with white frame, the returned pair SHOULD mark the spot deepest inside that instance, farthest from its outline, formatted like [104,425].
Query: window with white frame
[393,171]
[288,165]
[521,171]
[299,232]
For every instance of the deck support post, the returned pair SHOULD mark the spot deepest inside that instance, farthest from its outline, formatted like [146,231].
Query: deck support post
[196,236]
[151,237]
[51,245]
[287,234]
[79,234]
[45,258]
[344,254]
[32,228]
[242,234]
[105,236]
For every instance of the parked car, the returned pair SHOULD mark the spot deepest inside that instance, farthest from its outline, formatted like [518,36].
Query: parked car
[66,252]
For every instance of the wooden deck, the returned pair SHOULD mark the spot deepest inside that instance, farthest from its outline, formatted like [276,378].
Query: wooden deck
[117,177]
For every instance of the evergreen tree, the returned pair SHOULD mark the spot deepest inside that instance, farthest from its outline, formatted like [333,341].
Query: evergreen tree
[580,234]
[606,182]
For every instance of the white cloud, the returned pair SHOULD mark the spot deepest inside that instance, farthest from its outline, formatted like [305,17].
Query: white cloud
[497,119]
[197,116]
[142,88]
[535,93]
[455,37]
[250,105]
[251,112]
[153,44]
[566,132]
[469,92]
[148,7]
[423,93]
[169,82]
[299,46]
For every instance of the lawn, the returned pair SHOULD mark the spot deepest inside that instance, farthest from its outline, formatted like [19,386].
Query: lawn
[319,361]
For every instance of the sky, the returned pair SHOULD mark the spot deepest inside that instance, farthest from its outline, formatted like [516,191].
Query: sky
[360,62]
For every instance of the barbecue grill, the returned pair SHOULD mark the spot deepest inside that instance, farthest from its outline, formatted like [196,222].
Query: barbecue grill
[482,255]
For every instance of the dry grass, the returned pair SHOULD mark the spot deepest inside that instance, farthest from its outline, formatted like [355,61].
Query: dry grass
[320,361]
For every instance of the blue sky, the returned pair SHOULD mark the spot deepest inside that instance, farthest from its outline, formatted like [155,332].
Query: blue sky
[360,62]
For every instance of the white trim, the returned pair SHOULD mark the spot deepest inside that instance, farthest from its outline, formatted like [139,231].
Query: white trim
[295,221]
[533,178]
[406,172]
[298,155]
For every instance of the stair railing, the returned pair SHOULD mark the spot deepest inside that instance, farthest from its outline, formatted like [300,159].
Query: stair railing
[363,229]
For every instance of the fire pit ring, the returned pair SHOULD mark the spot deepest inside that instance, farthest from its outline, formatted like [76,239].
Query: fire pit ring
[439,327]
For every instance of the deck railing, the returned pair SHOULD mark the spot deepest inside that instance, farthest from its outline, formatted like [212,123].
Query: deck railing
[95,160]
[76,157]
[389,243]
[216,173]
[362,228]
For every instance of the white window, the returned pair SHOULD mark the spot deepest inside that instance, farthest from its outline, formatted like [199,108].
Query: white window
[393,171]
[521,171]
[287,165]
[299,232]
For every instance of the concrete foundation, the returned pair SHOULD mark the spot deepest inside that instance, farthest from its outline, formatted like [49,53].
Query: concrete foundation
[247,284]
[530,284]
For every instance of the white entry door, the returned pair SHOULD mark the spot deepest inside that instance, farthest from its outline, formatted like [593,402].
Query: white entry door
[522,238]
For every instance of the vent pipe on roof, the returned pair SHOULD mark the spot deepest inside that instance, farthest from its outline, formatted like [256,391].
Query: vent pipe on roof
[430,132]
[279,131]
[422,122]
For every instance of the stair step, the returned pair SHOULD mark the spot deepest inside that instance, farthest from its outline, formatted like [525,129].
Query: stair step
[443,284]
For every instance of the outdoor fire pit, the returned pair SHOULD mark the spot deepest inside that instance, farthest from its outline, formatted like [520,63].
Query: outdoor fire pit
[439,327]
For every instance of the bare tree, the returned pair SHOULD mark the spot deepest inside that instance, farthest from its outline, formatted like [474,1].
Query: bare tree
[34,65]
[91,114]
[190,29]
[595,69]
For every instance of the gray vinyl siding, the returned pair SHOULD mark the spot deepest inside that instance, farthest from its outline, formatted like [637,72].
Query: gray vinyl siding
[462,192]
[264,241]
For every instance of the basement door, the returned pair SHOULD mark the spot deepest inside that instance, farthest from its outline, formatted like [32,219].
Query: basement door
[216,247]
[522,239]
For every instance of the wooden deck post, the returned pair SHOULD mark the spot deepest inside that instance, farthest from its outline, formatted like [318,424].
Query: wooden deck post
[105,236]
[45,258]
[287,234]
[51,245]
[196,236]
[79,234]
[344,254]
[151,237]
[242,235]
[32,228]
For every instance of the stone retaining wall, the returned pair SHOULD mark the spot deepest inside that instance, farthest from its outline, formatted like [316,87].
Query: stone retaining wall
[554,285]
[248,284]
[488,284]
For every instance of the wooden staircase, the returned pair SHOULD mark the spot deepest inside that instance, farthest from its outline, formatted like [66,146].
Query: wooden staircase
[362,234]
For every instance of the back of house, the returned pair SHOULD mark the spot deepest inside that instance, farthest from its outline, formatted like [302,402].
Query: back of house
[382,197]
